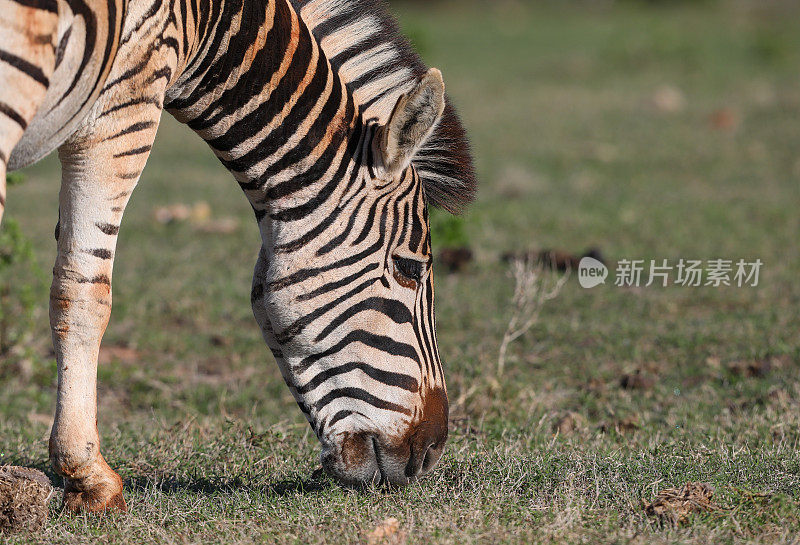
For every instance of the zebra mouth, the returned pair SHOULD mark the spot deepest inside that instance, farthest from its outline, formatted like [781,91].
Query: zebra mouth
[381,474]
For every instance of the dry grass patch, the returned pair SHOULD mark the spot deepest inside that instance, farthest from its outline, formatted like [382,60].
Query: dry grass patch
[675,505]
[24,497]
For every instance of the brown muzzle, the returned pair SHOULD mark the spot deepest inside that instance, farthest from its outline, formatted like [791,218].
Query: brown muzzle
[368,456]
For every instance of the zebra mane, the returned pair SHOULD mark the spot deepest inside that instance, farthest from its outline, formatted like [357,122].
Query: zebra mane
[364,45]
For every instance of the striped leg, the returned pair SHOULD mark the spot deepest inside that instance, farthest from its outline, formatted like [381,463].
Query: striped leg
[27,59]
[99,173]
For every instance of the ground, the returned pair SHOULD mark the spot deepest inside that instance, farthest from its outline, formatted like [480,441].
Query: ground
[653,130]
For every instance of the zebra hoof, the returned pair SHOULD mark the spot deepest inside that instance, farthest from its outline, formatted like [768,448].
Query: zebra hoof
[105,497]
[86,502]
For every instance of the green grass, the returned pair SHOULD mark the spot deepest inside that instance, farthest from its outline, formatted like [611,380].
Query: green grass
[571,153]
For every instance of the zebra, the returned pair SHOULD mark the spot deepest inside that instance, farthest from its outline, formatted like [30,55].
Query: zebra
[339,136]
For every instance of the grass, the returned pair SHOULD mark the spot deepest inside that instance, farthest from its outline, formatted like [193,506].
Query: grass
[571,152]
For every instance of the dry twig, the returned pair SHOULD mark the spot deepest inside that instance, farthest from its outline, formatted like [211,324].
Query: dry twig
[532,289]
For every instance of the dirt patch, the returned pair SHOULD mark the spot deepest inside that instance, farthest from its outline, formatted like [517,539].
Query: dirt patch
[637,380]
[24,494]
[455,259]
[553,258]
[674,505]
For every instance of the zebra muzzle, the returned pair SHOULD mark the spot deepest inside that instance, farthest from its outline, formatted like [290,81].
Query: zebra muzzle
[365,457]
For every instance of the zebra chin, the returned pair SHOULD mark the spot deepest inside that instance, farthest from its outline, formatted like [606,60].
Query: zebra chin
[365,455]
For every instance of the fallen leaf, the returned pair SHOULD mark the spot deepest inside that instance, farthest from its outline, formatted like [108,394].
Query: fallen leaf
[387,532]
[724,119]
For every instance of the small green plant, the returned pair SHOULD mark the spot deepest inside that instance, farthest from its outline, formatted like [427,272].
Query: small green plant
[447,230]
[14,178]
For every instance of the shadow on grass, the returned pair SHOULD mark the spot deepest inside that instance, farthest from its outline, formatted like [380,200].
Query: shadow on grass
[316,483]
[202,485]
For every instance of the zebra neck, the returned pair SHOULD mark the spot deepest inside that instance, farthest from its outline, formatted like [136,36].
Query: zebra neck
[262,93]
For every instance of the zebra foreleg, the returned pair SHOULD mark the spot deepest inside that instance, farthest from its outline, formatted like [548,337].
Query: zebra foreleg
[99,173]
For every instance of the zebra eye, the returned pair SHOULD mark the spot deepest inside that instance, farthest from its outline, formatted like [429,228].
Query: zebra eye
[410,268]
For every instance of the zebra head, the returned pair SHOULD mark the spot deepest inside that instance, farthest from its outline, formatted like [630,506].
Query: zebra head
[346,300]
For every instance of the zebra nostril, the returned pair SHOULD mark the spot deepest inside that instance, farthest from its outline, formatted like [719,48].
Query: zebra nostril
[423,459]
[431,457]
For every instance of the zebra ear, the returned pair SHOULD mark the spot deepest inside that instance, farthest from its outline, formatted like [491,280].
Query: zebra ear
[411,123]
